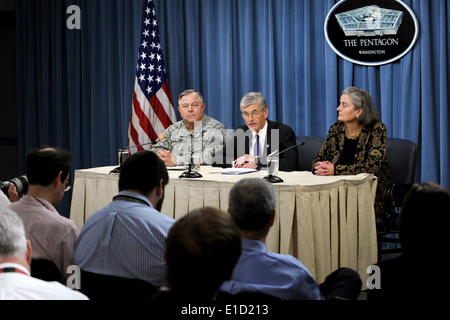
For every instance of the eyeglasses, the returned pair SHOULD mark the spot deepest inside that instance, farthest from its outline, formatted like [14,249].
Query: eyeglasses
[68,186]
[254,114]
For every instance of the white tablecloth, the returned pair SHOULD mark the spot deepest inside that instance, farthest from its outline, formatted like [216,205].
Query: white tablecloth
[325,222]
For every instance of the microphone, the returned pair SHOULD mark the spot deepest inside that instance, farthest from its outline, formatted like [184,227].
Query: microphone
[297,145]
[189,173]
[274,178]
[117,169]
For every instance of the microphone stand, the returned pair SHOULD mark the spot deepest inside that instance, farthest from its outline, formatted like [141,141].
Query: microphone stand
[117,169]
[189,173]
[272,178]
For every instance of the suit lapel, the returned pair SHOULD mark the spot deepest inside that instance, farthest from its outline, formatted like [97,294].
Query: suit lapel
[247,142]
[267,147]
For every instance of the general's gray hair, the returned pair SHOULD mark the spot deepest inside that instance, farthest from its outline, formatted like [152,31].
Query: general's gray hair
[253,97]
[13,241]
[362,99]
[189,91]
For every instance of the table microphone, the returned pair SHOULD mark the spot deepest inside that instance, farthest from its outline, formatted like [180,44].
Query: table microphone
[189,173]
[272,178]
[117,169]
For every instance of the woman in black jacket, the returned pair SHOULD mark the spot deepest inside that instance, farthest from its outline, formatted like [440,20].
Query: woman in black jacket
[356,143]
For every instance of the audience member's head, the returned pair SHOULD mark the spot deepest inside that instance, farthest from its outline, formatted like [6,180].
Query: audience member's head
[15,258]
[202,249]
[252,203]
[46,163]
[14,247]
[48,173]
[423,219]
[142,172]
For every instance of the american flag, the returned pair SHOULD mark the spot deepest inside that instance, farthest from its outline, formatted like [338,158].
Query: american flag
[152,111]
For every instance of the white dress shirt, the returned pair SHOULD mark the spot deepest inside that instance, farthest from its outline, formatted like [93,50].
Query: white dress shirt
[4,201]
[262,138]
[21,286]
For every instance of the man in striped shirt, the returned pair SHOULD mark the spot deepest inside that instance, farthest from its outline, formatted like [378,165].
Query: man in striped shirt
[126,238]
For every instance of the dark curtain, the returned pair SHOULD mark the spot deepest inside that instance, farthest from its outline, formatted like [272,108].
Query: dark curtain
[75,86]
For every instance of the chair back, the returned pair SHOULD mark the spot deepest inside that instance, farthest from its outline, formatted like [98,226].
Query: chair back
[45,270]
[308,151]
[104,287]
[401,155]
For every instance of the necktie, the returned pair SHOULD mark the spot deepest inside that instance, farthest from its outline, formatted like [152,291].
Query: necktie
[256,151]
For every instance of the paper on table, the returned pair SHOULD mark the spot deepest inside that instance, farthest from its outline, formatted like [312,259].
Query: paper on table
[181,168]
[234,171]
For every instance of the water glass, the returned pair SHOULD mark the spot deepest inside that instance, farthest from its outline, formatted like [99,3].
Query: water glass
[123,155]
[195,163]
[272,166]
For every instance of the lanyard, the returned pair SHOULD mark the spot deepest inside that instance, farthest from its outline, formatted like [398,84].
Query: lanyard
[129,198]
[12,269]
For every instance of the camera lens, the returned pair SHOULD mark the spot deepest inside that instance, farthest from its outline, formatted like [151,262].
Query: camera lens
[21,184]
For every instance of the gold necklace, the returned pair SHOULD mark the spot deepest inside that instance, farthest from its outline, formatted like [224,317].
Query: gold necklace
[352,136]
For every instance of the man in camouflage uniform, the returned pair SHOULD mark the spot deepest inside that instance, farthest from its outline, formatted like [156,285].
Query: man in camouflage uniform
[197,134]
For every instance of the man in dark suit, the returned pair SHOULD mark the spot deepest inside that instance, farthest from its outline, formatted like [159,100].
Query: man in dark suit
[259,137]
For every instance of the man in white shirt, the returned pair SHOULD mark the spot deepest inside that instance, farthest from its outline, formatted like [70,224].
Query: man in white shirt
[15,258]
[259,137]
[4,201]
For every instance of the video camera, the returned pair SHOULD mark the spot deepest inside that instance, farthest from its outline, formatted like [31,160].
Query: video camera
[21,184]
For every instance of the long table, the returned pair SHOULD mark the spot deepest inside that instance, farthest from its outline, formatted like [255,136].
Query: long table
[325,222]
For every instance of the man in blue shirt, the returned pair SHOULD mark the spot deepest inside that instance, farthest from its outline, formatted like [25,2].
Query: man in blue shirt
[126,238]
[252,203]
